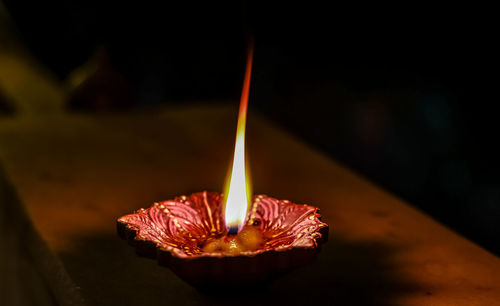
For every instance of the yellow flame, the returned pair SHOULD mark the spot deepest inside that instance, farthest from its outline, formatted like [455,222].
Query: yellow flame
[237,188]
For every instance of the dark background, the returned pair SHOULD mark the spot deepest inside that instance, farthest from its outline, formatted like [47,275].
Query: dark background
[403,95]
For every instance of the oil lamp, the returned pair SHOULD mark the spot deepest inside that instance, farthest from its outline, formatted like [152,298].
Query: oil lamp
[233,239]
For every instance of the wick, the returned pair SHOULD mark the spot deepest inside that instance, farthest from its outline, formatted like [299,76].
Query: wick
[233,230]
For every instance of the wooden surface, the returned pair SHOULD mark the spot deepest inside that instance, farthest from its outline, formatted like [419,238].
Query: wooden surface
[76,174]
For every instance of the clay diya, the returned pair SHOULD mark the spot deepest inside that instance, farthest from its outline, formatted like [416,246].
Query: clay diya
[209,240]
[277,237]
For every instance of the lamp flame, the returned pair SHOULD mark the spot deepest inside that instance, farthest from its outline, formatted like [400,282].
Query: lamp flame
[237,188]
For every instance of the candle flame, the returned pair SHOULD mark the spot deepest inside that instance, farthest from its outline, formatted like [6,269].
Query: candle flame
[237,188]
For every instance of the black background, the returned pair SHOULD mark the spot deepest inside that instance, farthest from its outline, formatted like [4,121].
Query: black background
[403,95]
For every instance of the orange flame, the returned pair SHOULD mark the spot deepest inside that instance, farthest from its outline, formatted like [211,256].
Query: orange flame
[237,188]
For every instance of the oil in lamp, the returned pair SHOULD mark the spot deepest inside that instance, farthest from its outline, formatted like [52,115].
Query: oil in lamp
[233,239]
